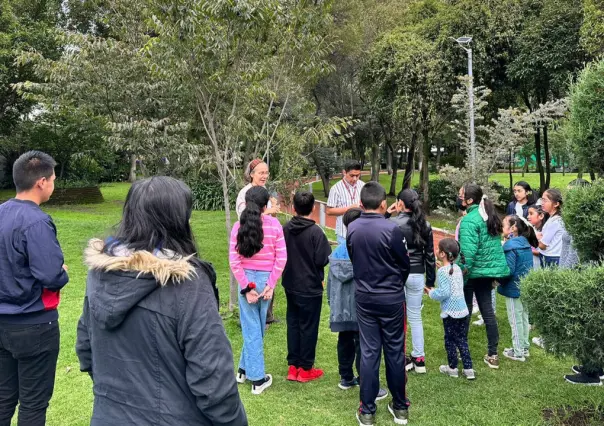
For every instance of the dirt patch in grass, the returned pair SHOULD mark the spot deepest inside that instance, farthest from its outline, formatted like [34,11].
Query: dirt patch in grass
[574,416]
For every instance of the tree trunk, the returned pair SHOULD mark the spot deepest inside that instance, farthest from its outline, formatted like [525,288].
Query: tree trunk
[525,169]
[438,154]
[538,158]
[410,161]
[580,174]
[592,175]
[425,172]
[548,172]
[325,180]
[389,155]
[132,175]
[510,172]
[375,162]
[355,150]
[395,164]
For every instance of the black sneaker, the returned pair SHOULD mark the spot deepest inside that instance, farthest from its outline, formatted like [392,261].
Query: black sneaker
[347,384]
[382,394]
[409,363]
[400,416]
[582,379]
[365,419]
[579,370]
[419,364]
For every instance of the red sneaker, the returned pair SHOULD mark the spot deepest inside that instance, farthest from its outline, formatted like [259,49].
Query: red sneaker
[292,373]
[309,375]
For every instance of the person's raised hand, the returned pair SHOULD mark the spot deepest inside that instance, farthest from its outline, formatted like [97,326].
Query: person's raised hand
[392,208]
[354,206]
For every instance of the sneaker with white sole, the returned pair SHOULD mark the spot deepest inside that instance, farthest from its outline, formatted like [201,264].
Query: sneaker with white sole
[469,373]
[526,353]
[479,322]
[509,353]
[409,363]
[365,419]
[451,372]
[240,376]
[419,364]
[492,361]
[538,341]
[382,394]
[578,369]
[260,386]
[583,379]
[401,417]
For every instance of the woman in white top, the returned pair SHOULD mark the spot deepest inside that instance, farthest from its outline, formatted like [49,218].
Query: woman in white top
[550,239]
[256,173]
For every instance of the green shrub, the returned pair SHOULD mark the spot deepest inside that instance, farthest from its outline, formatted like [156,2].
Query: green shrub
[207,193]
[567,306]
[583,214]
[442,194]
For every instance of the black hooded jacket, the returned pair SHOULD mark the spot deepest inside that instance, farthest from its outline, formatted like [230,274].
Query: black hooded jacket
[307,255]
[152,339]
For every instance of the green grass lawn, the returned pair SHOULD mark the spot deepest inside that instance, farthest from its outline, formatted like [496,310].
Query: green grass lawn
[514,395]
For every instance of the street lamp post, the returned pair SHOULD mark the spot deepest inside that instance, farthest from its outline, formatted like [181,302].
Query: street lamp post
[464,43]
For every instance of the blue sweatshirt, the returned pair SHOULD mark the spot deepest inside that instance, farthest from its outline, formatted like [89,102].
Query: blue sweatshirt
[31,264]
[380,261]
[519,257]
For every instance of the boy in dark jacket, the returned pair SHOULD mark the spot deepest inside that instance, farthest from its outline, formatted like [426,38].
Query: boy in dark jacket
[381,266]
[31,274]
[308,253]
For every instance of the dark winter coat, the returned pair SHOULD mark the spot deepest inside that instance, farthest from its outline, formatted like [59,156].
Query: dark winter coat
[307,255]
[519,257]
[152,340]
[512,208]
[421,258]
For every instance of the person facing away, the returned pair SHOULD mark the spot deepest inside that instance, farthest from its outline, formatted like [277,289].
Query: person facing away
[453,309]
[523,199]
[150,335]
[381,266]
[32,272]
[519,238]
[257,256]
[420,245]
[345,195]
[480,241]
[308,253]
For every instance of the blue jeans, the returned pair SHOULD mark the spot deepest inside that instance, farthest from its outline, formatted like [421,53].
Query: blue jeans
[341,240]
[253,318]
[549,261]
[414,292]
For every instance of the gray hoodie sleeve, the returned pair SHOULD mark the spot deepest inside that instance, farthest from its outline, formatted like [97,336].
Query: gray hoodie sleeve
[208,355]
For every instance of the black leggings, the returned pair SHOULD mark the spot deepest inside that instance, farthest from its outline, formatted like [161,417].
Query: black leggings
[482,288]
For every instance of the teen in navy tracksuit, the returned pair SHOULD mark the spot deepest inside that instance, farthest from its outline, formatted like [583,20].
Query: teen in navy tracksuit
[31,274]
[381,266]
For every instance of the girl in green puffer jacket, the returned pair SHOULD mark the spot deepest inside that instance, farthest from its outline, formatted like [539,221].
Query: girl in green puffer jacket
[480,241]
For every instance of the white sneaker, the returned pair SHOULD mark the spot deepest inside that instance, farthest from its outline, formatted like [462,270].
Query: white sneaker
[479,322]
[451,372]
[527,353]
[268,381]
[509,353]
[538,341]
[475,310]
[469,373]
[240,376]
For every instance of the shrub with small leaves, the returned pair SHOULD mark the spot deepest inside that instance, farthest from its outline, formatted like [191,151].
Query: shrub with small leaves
[583,214]
[442,194]
[567,307]
[207,194]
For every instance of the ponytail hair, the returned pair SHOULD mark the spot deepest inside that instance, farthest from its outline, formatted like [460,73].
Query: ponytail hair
[474,192]
[539,210]
[452,249]
[524,229]
[251,234]
[418,217]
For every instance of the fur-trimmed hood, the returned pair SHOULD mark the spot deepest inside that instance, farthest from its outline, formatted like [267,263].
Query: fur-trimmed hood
[117,283]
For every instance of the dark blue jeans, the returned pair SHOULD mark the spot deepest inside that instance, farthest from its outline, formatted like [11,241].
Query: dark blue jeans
[28,362]
[549,261]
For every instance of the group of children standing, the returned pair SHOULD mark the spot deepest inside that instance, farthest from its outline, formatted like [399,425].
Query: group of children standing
[376,279]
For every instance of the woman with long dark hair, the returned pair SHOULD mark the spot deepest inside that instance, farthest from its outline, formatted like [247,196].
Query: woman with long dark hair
[420,245]
[257,257]
[480,241]
[524,197]
[150,334]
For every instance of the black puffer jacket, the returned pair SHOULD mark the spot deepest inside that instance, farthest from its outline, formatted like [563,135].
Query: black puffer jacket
[422,258]
[151,338]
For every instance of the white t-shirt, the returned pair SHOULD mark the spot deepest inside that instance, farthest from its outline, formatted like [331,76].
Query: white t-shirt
[519,210]
[342,194]
[553,231]
[240,203]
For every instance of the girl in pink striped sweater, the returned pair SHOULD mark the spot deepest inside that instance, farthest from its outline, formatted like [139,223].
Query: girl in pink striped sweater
[257,257]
